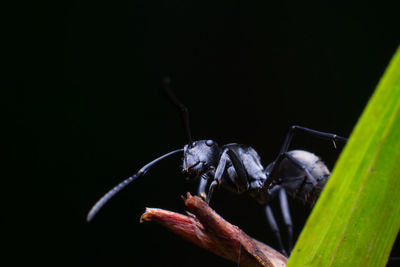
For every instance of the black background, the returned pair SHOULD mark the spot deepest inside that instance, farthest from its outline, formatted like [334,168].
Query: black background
[89,111]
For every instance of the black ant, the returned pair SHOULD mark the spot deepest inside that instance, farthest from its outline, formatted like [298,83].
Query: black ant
[238,168]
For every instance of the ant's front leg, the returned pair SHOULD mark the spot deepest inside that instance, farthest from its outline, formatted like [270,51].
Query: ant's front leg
[218,174]
[240,180]
[202,189]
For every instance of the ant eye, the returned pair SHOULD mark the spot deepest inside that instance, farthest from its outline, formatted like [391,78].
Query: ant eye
[209,142]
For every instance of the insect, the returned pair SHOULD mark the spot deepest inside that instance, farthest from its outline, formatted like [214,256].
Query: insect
[237,168]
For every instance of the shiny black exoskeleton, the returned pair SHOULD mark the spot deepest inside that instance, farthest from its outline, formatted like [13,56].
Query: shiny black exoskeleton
[237,168]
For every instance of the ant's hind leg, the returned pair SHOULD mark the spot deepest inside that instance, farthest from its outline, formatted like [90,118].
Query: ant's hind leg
[287,218]
[273,171]
[274,227]
[323,135]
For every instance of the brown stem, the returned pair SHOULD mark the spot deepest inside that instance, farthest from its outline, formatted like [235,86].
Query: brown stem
[210,231]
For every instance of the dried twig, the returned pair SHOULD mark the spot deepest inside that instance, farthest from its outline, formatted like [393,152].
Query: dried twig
[210,231]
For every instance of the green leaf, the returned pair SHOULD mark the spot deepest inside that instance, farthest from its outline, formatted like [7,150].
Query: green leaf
[357,218]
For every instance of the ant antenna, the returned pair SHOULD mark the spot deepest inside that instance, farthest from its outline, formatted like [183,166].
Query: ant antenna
[185,113]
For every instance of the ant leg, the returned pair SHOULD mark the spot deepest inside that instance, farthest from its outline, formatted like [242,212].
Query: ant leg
[201,191]
[274,227]
[286,217]
[301,166]
[315,133]
[211,190]
[218,174]
[241,182]
[272,176]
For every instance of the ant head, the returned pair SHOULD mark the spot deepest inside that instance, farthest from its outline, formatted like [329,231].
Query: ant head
[200,157]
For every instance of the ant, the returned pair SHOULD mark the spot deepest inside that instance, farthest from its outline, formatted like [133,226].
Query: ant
[237,168]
